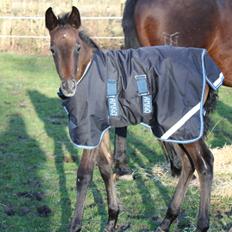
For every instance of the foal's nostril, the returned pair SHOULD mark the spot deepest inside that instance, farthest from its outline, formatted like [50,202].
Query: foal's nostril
[69,85]
[74,84]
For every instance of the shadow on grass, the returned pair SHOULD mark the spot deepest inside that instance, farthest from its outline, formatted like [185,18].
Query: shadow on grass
[21,195]
[49,110]
[153,159]
[142,157]
[54,125]
[150,204]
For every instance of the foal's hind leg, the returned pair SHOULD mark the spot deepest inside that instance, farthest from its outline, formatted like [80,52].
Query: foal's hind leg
[203,161]
[104,162]
[185,178]
[84,177]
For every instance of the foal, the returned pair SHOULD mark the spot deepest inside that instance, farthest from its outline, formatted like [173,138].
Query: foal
[72,51]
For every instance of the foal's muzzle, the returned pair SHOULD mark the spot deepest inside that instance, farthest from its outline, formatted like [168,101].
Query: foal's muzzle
[68,87]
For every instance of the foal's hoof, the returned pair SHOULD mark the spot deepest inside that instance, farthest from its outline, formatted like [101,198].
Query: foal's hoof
[159,229]
[110,227]
[123,170]
[75,228]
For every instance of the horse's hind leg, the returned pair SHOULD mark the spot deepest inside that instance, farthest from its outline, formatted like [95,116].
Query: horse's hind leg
[203,161]
[84,177]
[104,162]
[185,178]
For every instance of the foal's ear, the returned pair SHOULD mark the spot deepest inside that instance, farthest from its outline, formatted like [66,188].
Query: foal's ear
[50,19]
[74,18]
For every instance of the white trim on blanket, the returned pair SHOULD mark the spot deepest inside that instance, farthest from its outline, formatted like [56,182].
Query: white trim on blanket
[181,122]
[86,70]
[219,81]
[90,147]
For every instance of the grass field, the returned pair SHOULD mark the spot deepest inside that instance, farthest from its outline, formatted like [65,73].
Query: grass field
[37,175]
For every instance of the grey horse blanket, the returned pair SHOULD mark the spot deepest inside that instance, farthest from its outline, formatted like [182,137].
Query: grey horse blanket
[162,87]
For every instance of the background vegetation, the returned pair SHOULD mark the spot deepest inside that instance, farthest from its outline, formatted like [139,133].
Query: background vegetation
[38,164]
[34,27]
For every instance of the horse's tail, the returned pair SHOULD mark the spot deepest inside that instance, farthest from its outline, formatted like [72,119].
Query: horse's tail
[128,25]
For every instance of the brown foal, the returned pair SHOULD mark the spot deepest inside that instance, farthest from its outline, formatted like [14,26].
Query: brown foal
[72,51]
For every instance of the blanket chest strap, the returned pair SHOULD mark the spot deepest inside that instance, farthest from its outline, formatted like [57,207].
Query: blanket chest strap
[143,91]
[112,98]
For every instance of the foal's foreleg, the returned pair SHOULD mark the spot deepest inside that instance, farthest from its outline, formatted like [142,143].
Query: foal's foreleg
[104,162]
[174,205]
[84,177]
[120,158]
[203,160]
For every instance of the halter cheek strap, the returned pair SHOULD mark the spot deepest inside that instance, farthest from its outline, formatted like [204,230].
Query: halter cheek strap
[61,95]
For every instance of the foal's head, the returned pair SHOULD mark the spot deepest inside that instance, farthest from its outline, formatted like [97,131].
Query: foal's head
[71,48]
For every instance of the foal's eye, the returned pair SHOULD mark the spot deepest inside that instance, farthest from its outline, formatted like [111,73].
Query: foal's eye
[77,48]
[52,51]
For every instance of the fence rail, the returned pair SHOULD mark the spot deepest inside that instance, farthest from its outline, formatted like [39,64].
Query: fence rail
[14,37]
[42,18]
[46,37]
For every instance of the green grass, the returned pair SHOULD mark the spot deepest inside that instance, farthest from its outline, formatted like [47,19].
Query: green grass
[35,156]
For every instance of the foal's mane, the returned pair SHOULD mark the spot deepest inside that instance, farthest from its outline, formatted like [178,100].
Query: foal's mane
[63,20]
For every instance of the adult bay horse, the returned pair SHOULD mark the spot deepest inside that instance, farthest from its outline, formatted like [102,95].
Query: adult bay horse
[187,23]
[73,51]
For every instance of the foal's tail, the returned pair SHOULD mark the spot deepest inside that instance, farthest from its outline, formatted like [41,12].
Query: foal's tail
[210,106]
[128,25]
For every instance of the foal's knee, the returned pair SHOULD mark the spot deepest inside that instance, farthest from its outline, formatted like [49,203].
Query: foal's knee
[83,179]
